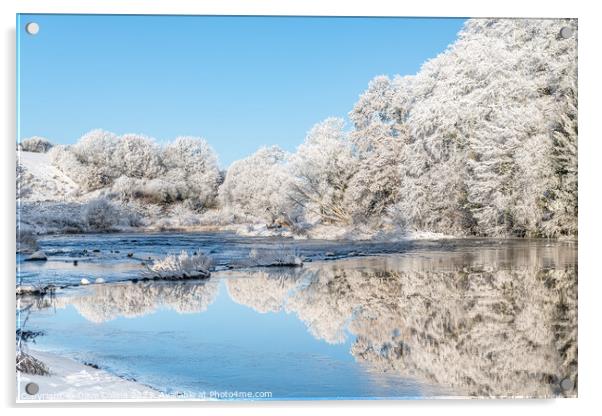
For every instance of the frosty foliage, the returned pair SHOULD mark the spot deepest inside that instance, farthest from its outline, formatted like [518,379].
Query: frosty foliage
[322,168]
[135,167]
[481,141]
[100,214]
[192,164]
[484,135]
[278,256]
[259,185]
[35,144]
[181,266]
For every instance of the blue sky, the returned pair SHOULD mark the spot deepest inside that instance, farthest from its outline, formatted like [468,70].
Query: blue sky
[239,82]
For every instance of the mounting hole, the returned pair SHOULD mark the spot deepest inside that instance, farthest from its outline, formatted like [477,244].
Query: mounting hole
[567,384]
[566,32]
[32,28]
[32,388]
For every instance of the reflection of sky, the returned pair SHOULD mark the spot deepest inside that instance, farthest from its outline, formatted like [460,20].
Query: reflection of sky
[227,347]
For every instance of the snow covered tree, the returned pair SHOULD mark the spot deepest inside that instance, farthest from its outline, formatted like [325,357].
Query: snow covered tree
[90,161]
[561,219]
[192,165]
[480,153]
[96,147]
[138,156]
[259,185]
[379,137]
[35,144]
[513,184]
[322,168]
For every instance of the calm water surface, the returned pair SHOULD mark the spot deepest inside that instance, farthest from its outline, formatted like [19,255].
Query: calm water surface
[402,320]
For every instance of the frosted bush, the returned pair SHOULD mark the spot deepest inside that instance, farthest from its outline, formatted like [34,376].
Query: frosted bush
[280,256]
[259,186]
[192,165]
[138,156]
[97,147]
[181,266]
[101,215]
[35,144]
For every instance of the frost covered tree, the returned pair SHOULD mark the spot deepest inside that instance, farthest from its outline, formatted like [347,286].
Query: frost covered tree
[138,156]
[96,147]
[35,144]
[514,185]
[563,207]
[259,185]
[379,137]
[322,168]
[192,165]
[135,166]
[481,141]
[491,131]
[90,161]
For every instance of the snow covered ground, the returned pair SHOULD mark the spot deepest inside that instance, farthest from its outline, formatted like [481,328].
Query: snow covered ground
[41,181]
[71,381]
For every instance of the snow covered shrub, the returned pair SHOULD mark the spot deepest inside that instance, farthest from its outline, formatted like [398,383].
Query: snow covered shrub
[101,214]
[281,256]
[96,147]
[156,191]
[138,156]
[322,168]
[184,216]
[259,186]
[28,364]
[182,266]
[35,144]
[192,167]
[126,188]
[27,241]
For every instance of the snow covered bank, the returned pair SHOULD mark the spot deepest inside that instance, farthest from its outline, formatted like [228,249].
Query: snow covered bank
[70,380]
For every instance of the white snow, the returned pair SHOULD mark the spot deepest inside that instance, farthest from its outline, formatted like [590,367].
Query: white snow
[45,181]
[72,381]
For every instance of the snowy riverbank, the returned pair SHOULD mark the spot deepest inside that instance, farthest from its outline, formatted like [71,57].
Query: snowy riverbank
[70,380]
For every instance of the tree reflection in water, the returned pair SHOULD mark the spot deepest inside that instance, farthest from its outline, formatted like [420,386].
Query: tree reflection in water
[489,323]
[457,321]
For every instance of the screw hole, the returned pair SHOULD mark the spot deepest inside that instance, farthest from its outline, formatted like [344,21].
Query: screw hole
[32,28]
[566,32]
[32,388]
